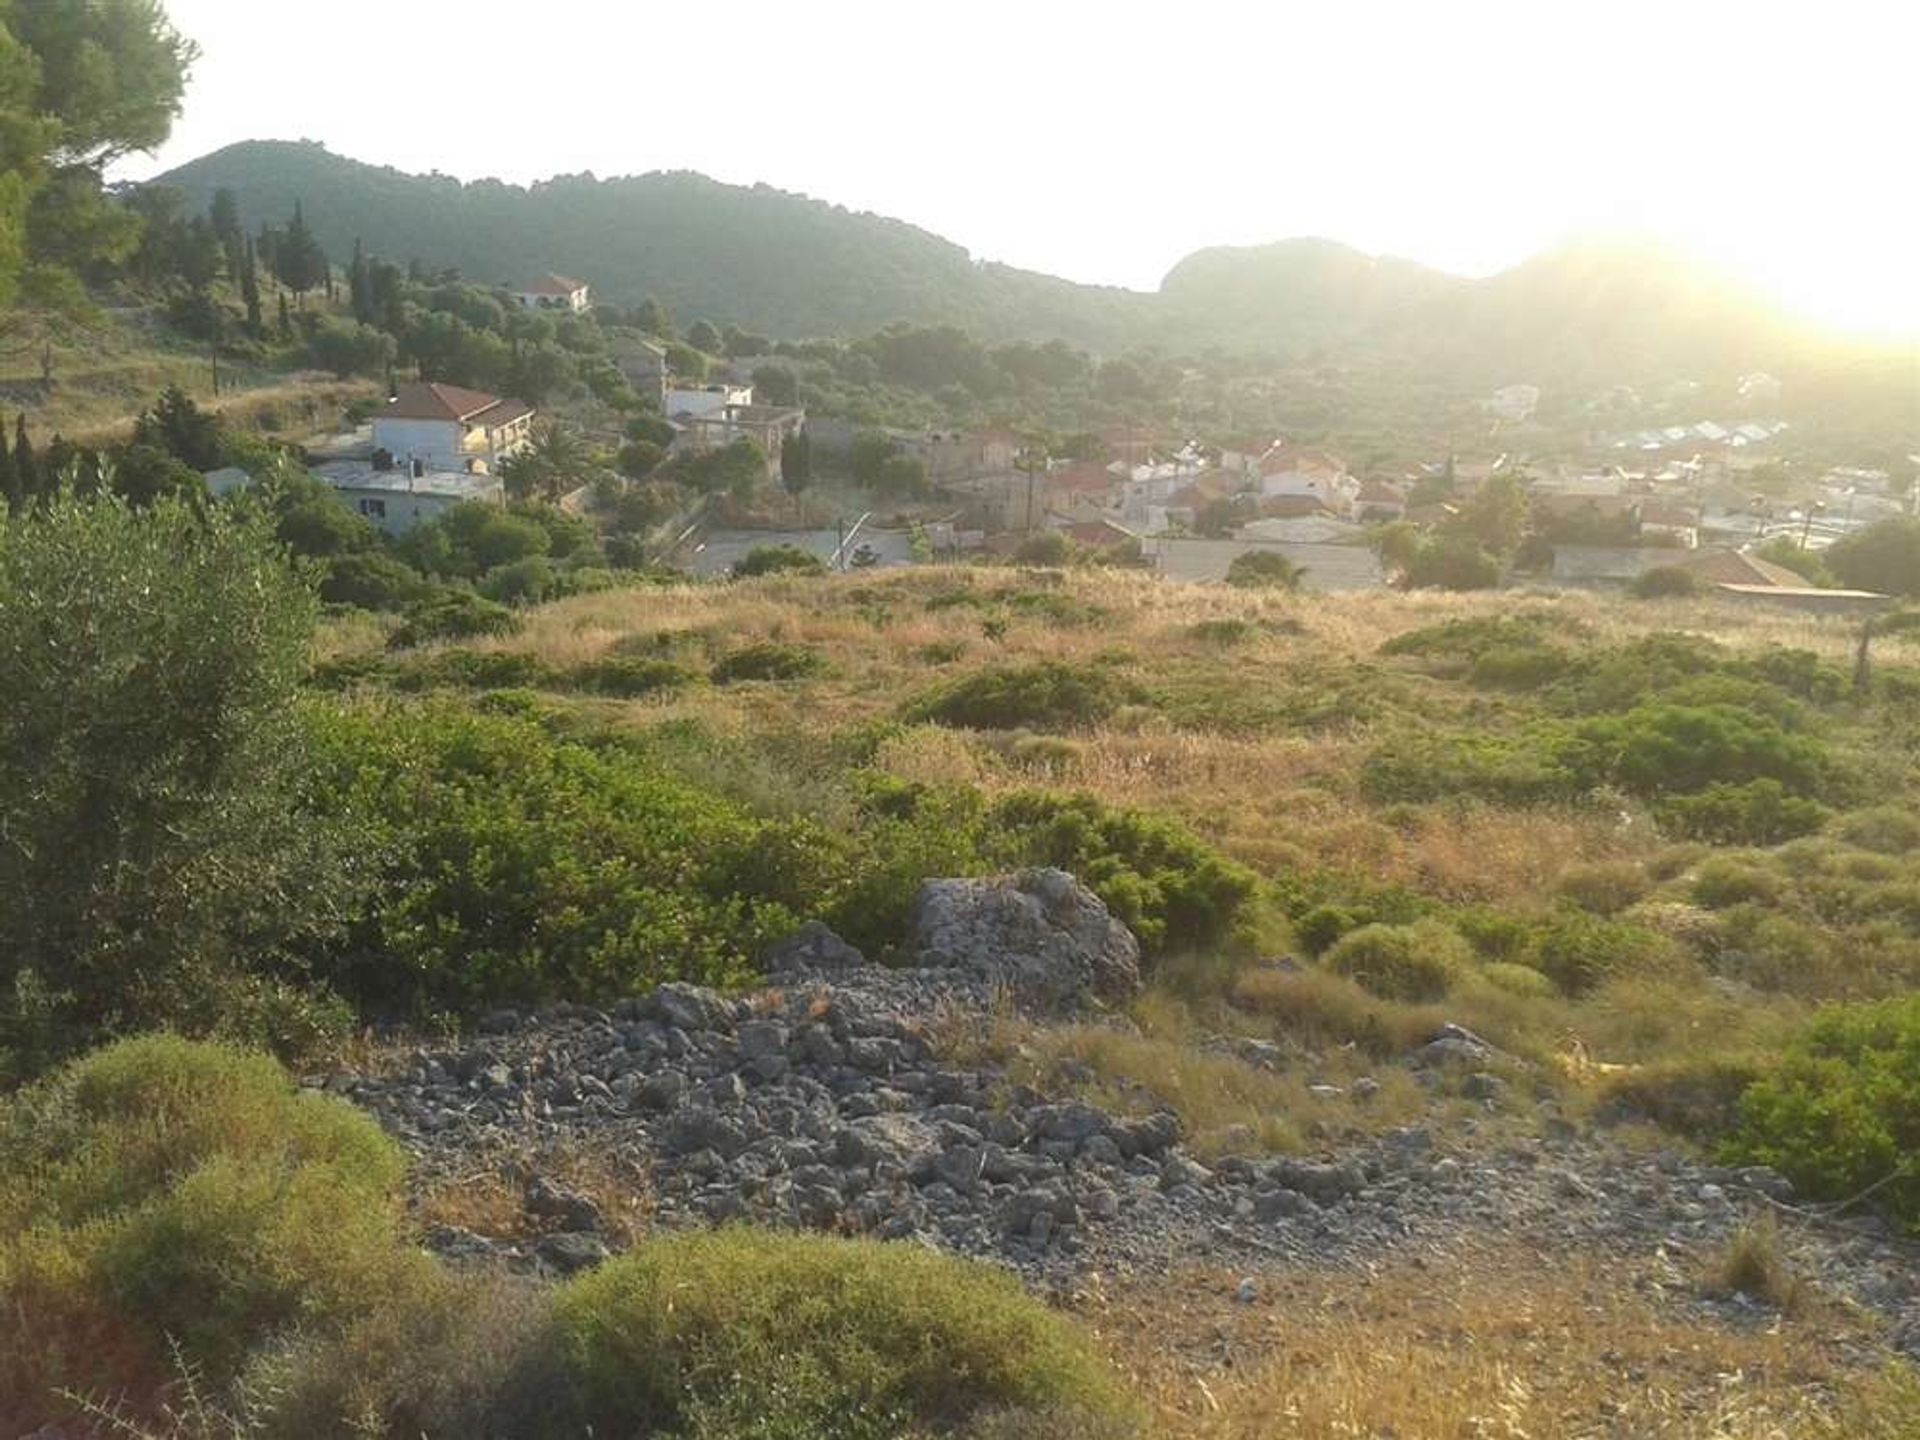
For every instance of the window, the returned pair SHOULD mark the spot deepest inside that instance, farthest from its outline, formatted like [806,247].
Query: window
[374,509]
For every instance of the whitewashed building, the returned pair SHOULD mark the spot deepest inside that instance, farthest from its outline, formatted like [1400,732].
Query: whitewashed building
[447,429]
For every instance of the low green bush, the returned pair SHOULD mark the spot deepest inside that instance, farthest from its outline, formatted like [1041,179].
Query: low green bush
[1659,749]
[162,1193]
[1422,766]
[1518,667]
[1664,582]
[1521,980]
[1172,889]
[475,670]
[631,676]
[1046,695]
[739,1332]
[766,660]
[1222,632]
[1579,951]
[451,614]
[1263,570]
[1760,812]
[509,865]
[1722,881]
[1416,963]
[1883,829]
[1605,887]
[779,560]
[1841,1111]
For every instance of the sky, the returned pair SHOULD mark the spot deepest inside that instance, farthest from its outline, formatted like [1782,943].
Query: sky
[1103,142]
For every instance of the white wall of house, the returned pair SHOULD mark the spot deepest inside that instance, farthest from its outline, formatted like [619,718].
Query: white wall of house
[706,402]
[439,444]
[396,511]
[577,301]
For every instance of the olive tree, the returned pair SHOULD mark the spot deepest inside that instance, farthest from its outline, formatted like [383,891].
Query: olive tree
[154,854]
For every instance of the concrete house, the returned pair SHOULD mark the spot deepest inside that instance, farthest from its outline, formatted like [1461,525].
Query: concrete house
[555,292]
[445,428]
[397,498]
[767,426]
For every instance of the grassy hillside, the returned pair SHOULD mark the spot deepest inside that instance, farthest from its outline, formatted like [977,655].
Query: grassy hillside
[108,365]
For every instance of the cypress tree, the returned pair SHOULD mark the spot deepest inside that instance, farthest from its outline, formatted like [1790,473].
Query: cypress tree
[286,321]
[9,478]
[250,290]
[26,472]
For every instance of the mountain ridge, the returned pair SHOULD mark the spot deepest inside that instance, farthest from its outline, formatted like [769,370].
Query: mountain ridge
[795,266]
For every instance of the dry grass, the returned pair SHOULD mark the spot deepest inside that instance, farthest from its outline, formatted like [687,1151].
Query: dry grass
[1479,1345]
[486,1196]
[1756,1265]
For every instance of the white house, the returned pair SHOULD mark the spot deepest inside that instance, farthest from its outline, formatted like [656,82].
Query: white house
[1514,402]
[445,428]
[1313,474]
[693,402]
[555,292]
[399,498]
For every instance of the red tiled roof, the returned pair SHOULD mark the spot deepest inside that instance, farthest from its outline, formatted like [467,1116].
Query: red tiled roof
[430,400]
[1733,567]
[554,285]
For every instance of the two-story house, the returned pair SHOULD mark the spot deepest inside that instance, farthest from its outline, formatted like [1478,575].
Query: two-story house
[445,428]
[555,292]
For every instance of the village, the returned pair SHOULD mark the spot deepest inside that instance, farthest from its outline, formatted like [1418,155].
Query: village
[1702,498]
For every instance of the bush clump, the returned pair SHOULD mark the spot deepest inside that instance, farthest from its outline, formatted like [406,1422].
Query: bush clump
[1579,951]
[1263,570]
[779,560]
[742,1332]
[1883,829]
[1761,812]
[476,670]
[161,1192]
[630,676]
[766,660]
[1174,891]
[1046,695]
[1415,963]
[1841,1111]
[1665,582]
[451,614]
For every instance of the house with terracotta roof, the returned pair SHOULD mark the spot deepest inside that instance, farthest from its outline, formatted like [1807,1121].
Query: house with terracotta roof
[428,426]
[555,292]
[1287,470]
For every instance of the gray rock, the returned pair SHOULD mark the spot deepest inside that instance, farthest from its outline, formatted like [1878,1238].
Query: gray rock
[685,1007]
[812,948]
[568,1253]
[549,1200]
[1041,935]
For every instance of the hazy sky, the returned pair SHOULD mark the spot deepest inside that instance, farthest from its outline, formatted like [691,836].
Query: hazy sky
[1104,141]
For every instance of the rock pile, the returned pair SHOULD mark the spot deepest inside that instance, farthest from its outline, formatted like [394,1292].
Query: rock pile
[826,1103]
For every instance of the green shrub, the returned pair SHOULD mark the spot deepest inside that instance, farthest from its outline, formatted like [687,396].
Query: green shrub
[1605,887]
[1046,695]
[1422,766]
[1174,891]
[1518,667]
[1470,638]
[451,614]
[1665,581]
[511,866]
[522,582]
[631,676]
[1727,880]
[790,1337]
[475,670]
[1578,951]
[1883,829]
[1263,570]
[1841,1111]
[779,560]
[164,1191]
[153,844]
[371,580]
[1760,812]
[1664,749]
[1521,980]
[1222,632]
[766,660]
[1694,1096]
[1048,547]
[941,652]
[1417,963]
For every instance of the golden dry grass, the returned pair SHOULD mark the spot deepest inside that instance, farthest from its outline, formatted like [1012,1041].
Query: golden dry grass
[1482,1344]
[486,1196]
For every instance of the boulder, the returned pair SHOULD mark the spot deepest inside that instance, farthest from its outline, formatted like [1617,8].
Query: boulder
[812,949]
[1040,935]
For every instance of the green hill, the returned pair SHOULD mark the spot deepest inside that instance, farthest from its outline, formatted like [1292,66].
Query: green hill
[1576,318]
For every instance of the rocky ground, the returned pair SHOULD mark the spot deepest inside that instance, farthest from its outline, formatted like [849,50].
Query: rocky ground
[830,1102]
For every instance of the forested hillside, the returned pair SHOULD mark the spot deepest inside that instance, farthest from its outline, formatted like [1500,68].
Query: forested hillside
[1583,315]
[752,256]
